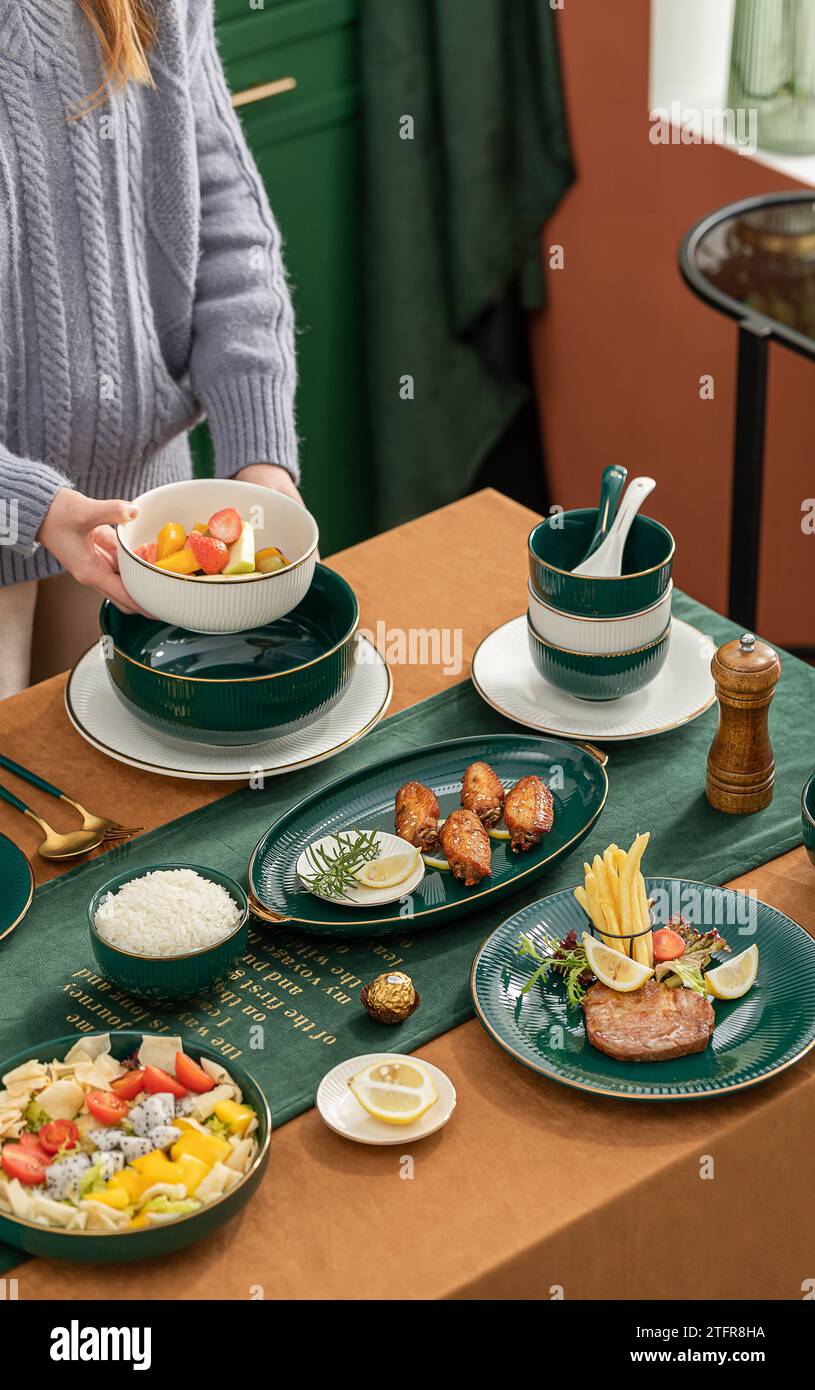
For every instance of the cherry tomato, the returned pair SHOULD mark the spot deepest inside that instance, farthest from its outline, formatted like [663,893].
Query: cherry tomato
[106,1107]
[668,944]
[22,1163]
[57,1134]
[32,1142]
[156,1080]
[191,1075]
[129,1085]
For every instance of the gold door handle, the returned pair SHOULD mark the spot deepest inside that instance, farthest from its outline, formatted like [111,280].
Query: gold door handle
[266,89]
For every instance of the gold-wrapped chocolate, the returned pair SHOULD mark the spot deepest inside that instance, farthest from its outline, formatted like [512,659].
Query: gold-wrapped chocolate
[390,998]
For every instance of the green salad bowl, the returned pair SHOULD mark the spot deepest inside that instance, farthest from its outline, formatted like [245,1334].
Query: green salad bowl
[560,542]
[235,688]
[808,818]
[598,676]
[116,1247]
[164,978]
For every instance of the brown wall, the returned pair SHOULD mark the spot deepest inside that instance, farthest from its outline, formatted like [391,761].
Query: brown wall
[623,343]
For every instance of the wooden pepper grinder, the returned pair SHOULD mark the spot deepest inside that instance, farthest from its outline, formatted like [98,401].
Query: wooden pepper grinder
[740,764]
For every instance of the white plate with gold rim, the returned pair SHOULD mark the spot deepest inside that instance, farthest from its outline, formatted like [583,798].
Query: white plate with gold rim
[97,714]
[342,1112]
[359,895]
[504,676]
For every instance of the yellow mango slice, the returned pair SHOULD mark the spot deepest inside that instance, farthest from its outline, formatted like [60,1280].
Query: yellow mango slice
[171,538]
[180,562]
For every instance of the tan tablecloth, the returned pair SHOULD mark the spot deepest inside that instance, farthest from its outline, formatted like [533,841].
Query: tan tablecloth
[531,1187]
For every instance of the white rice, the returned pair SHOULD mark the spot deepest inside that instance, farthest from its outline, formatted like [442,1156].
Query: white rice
[167,913]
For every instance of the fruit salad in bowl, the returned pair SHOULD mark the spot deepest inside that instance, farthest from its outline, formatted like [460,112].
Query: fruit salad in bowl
[216,555]
[109,1139]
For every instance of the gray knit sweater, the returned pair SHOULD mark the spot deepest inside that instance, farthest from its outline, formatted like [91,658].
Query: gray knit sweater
[141,279]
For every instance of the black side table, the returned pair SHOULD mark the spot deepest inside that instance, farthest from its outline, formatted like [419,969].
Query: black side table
[755,261]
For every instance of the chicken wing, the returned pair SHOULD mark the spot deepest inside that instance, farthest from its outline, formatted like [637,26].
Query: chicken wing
[483,794]
[417,815]
[529,812]
[466,846]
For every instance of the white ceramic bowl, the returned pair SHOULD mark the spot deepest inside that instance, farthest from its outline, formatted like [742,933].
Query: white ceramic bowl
[210,603]
[599,636]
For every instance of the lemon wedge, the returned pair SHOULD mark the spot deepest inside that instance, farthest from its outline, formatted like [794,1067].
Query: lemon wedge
[733,979]
[497,832]
[434,861]
[614,969]
[397,1093]
[388,872]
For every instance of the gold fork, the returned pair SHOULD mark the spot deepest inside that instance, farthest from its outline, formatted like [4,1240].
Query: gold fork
[101,825]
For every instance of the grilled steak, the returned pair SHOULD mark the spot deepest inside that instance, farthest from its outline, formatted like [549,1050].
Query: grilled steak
[649,1024]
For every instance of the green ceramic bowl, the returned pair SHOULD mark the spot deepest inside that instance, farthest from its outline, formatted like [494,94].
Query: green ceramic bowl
[114,1247]
[170,977]
[560,542]
[598,676]
[235,688]
[808,817]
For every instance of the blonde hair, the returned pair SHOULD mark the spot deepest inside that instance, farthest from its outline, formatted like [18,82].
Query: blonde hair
[125,30]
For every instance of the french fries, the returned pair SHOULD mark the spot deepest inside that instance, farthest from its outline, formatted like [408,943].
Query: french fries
[613,895]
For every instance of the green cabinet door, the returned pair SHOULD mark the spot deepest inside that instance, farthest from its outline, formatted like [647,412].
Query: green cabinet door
[305,139]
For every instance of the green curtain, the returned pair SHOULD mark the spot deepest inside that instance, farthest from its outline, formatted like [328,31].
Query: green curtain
[452,220]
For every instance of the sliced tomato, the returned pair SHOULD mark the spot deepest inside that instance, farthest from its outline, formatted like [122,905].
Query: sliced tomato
[24,1164]
[32,1142]
[668,945]
[191,1075]
[156,1080]
[58,1134]
[106,1107]
[129,1085]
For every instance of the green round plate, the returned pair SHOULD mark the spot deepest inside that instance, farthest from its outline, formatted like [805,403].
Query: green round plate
[754,1038]
[18,886]
[364,800]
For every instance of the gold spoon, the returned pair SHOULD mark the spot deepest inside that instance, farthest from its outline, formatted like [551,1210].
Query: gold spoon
[55,845]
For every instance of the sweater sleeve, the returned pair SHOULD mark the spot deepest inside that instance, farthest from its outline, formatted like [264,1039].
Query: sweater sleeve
[242,364]
[27,490]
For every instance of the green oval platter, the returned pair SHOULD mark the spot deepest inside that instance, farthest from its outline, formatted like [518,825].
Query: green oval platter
[17,882]
[754,1038]
[365,800]
[106,1247]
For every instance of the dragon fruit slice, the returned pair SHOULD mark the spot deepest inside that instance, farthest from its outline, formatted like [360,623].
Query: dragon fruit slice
[133,1147]
[106,1139]
[109,1163]
[62,1179]
[164,1135]
[155,1110]
[184,1105]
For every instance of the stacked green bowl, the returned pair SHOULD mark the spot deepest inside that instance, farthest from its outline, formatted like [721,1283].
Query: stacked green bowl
[598,637]
[235,688]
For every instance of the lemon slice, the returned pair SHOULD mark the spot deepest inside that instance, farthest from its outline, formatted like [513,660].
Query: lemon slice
[498,833]
[388,872]
[733,979]
[397,1093]
[614,969]
[435,862]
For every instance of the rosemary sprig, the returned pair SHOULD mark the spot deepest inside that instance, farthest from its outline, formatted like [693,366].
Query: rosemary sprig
[334,873]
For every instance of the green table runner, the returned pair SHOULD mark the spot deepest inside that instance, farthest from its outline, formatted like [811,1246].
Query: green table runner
[292,1012]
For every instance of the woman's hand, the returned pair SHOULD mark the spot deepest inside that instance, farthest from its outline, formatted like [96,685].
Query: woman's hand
[270,475]
[78,532]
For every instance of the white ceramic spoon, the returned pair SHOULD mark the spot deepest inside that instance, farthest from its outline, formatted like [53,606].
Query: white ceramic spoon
[607,560]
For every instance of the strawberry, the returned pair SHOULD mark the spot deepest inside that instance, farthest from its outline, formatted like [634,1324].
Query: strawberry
[147,552]
[225,525]
[210,553]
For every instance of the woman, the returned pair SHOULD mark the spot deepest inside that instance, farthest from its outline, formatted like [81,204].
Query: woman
[141,285]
